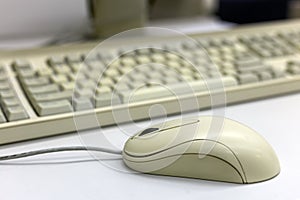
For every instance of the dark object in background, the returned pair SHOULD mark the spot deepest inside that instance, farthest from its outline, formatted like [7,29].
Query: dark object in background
[249,11]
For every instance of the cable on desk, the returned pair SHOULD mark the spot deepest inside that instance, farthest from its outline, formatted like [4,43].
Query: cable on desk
[58,149]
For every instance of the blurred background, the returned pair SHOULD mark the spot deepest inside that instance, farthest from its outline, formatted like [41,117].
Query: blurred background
[71,20]
[238,11]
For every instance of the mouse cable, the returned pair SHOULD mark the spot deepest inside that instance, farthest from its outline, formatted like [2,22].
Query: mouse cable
[58,149]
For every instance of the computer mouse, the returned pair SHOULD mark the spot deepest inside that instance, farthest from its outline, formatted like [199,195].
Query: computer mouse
[196,148]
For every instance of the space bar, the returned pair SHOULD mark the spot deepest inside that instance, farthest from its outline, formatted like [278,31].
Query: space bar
[154,92]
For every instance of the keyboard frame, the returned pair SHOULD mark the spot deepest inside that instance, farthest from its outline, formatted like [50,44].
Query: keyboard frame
[37,127]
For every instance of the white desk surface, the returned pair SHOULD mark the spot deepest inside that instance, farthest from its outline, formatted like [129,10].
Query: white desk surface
[77,176]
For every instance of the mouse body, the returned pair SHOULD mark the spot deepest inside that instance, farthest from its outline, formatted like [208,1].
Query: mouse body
[195,148]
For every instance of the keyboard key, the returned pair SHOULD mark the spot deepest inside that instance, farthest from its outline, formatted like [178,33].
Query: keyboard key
[75,67]
[73,58]
[109,99]
[137,84]
[97,65]
[59,78]
[76,77]
[53,96]
[62,69]
[53,107]
[10,102]
[55,60]
[265,75]
[140,76]
[142,59]
[170,80]
[294,69]
[103,89]
[185,77]
[144,94]
[26,73]
[3,77]
[94,74]
[85,92]
[43,89]
[82,104]
[2,117]
[277,73]
[125,70]
[120,87]
[6,94]
[106,81]
[87,84]
[111,72]
[45,71]
[15,113]
[173,64]
[156,92]
[158,58]
[91,57]
[67,86]
[254,68]
[4,85]
[128,61]
[248,62]
[38,81]
[17,64]
[247,78]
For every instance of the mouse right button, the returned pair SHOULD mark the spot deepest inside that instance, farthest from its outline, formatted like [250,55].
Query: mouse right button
[257,157]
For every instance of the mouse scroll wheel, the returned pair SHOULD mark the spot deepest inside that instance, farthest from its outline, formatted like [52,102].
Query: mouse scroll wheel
[148,130]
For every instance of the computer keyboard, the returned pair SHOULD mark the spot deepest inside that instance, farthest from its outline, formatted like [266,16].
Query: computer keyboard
[41,89]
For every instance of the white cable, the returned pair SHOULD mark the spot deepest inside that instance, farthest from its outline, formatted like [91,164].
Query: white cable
[58,149]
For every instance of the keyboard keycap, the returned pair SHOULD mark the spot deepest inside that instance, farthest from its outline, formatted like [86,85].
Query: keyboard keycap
[19,63]
[73,58]
[53,96]
[2,117]
[247,78]
[82,104]
[10,102]
[53,107]
[156,92]
[265,75]
[4,85]
[26,73]
[45,71]
[6,94]
[43,89]
[15,113]
[67,86]
[294,69]
[103,89]
[36,81]
[108,99]
[55,60]
[3,77]
[62,69]
[59,78]
[86,92]
[87,84]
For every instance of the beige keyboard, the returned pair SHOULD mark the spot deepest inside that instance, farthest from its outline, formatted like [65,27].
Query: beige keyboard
[42,89]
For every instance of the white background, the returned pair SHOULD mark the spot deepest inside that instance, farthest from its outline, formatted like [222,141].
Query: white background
[75,176]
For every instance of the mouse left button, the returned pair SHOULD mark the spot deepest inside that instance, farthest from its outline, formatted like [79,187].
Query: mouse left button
[148,131]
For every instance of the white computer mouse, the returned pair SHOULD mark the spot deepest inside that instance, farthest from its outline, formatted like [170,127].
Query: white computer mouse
[210,148]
